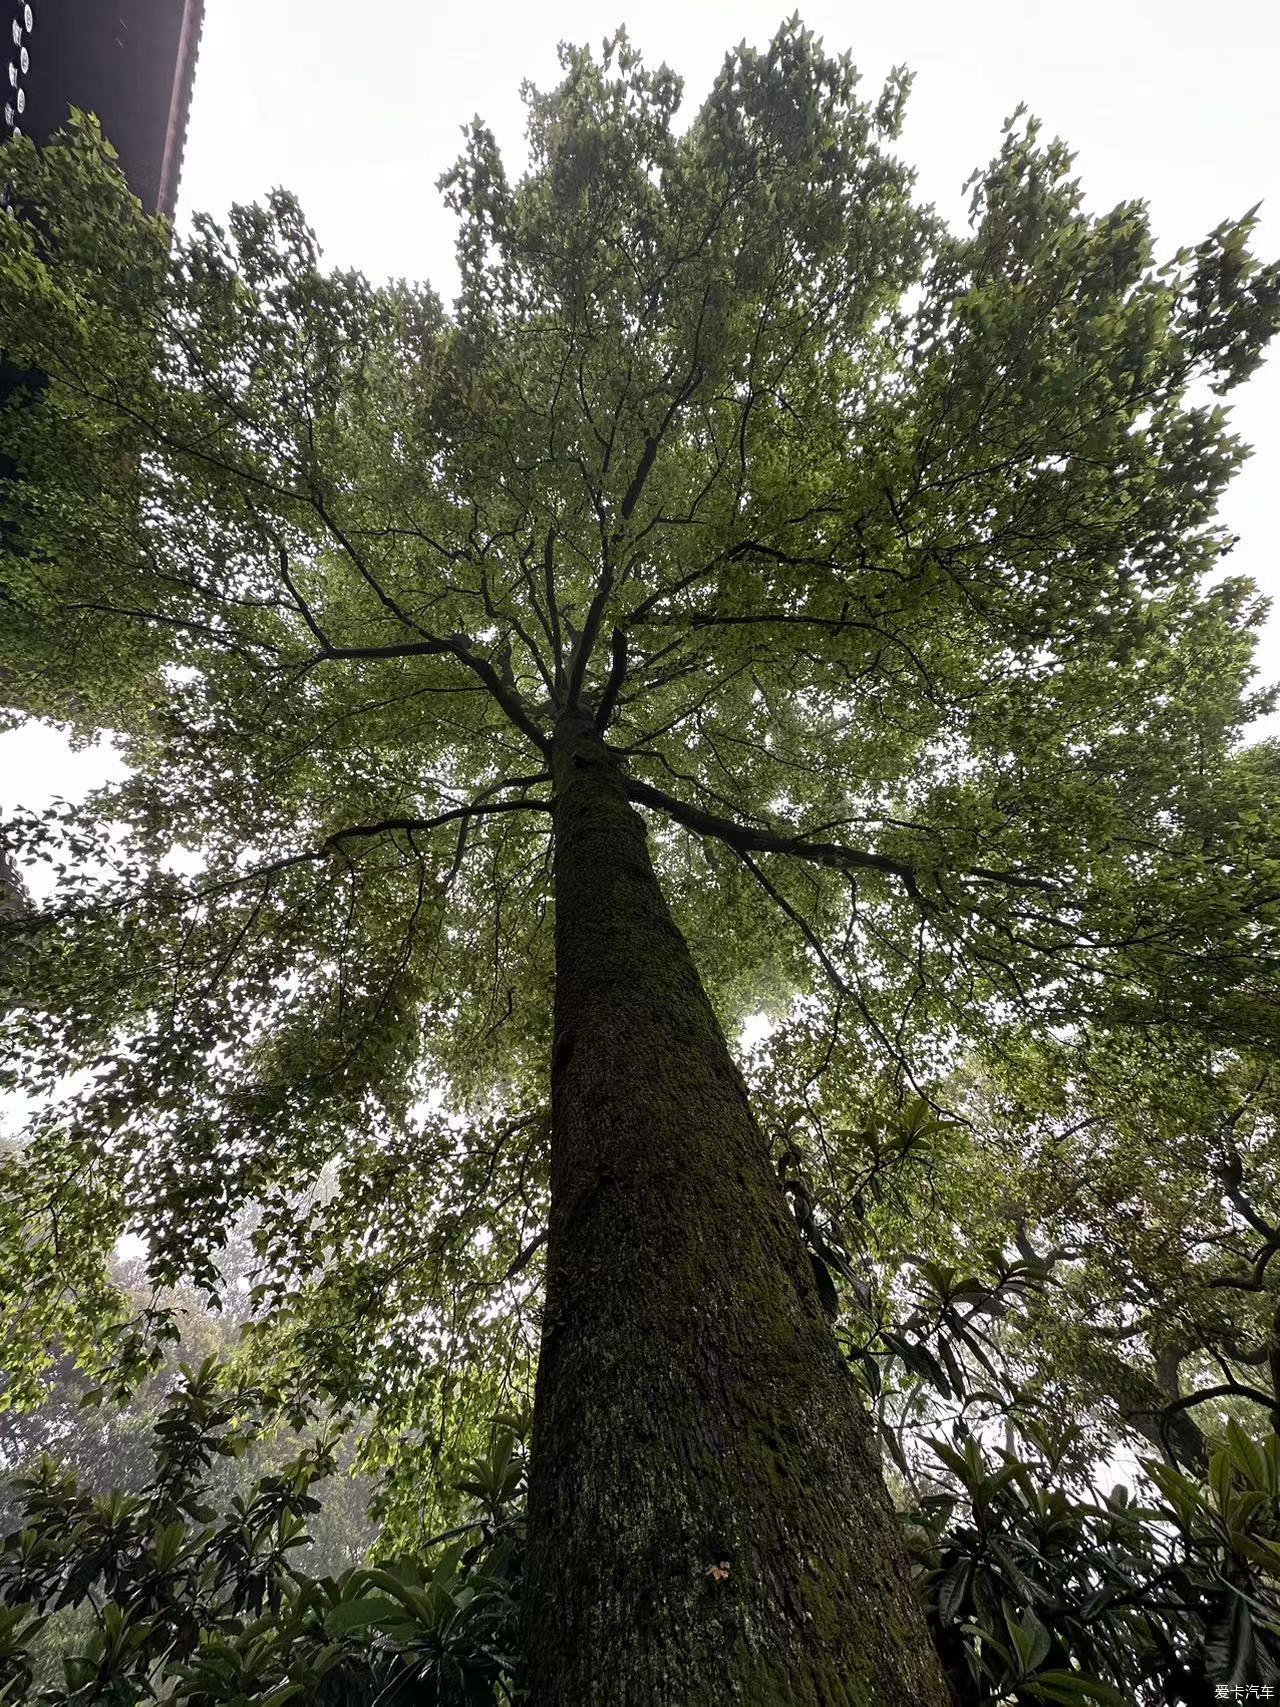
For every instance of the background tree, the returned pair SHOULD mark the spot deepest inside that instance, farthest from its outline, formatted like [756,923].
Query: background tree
[876,564]
[107,1440]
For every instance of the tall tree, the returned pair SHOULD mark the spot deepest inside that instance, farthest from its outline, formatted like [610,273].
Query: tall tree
[873,564]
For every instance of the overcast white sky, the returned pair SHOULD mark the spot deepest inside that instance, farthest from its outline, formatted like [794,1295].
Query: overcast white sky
[356,106]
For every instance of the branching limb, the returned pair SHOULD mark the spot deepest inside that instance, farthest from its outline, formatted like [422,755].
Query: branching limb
[587,639]
[553,608]
[527,1255]
[604,587]
[797,919]
[750,839]
[359,832]
[838,858]
[187,625]
[617,675]
[520,782]
[304,609]
[456,646]
[1224,1390]
[831,625]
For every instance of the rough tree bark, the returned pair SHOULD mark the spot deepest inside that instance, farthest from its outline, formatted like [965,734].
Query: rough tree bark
[707,1518]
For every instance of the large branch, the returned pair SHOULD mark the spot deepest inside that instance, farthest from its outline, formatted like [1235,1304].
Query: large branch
[832,625]
[272,868]
[361,832]
[587,639]
[455,646]
[316,499]
[1224,1390]
[750,548]
[750,838]
[617,674]
[747,838]
[358,832]
[553,608]
[186,625]
[500,615]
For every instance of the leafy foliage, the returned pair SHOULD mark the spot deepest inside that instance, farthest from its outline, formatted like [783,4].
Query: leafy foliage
[195,1605]
[1042,1593]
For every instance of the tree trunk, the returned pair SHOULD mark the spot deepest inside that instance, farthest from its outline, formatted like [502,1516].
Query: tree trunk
[707,1518]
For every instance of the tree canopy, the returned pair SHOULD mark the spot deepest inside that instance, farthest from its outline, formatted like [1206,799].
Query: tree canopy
[884,558]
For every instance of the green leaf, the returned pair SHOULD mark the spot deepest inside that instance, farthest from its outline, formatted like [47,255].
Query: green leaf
[1069,1688]
[352,1615]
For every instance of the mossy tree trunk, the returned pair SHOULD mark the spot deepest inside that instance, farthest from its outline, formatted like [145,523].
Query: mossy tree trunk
[707,1518]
